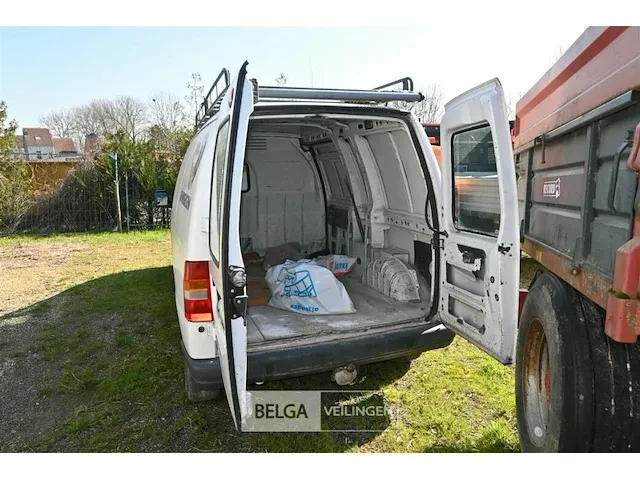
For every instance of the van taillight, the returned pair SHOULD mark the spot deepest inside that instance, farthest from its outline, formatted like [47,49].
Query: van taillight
[197,294]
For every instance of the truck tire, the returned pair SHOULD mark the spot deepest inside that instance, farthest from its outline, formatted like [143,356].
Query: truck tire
[576,390]
[195,393]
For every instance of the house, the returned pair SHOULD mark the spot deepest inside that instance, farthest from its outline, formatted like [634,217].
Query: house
[49,158]
[38,143]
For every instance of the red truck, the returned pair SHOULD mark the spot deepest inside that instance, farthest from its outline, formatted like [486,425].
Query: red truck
[577,155]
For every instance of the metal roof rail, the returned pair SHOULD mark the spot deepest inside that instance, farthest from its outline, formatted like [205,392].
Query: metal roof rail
[209,107]
[336,95]
[406,82]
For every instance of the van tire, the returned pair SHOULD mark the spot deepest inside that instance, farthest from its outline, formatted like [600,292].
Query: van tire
[195,393]
[569,374]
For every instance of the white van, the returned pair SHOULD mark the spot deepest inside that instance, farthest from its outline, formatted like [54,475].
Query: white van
[336,171]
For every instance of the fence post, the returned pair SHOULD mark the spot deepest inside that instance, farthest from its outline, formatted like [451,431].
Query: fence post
[126,197]
[117,182]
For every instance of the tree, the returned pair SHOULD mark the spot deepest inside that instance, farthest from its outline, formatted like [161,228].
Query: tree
[169,125]
[90,118]
[430,109]
[511,101]
[149,168]
[60,123]
[128,114]
[166,110]
[195,95]
[15,183]
[281,79]
[7,132]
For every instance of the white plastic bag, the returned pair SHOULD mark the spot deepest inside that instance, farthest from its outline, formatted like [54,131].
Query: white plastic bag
[338,264]
[305,287]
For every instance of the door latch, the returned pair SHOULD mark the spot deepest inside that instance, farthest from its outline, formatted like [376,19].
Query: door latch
[239,299]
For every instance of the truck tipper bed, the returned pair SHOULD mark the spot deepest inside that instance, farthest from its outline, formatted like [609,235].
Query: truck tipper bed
[576,148]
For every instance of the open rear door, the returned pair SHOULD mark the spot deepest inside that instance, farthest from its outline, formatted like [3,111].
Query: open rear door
[229,299]
[480,254]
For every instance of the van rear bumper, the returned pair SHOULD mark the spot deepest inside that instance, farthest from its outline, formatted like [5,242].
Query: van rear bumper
[299,360]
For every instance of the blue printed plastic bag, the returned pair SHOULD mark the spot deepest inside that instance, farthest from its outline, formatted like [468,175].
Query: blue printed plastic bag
[303,286]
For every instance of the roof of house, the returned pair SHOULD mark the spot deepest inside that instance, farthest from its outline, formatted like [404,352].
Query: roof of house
[36,137]
[63,145]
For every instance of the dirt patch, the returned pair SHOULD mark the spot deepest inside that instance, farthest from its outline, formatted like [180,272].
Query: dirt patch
[28,254]
[31,271]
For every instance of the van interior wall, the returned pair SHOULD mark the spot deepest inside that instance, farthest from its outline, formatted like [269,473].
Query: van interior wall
[307,195]
[403,189]
[285,201]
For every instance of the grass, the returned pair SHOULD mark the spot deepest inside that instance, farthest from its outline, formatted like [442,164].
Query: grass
[113,338]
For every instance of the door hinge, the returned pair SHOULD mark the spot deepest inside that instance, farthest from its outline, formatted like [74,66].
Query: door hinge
[437,241]
[240,306]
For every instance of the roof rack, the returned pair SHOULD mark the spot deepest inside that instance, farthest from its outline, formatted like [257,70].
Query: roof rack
[381,94]
[209,107]
[406,83]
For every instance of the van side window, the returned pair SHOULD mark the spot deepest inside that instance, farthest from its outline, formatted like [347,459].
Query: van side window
[218,183]
[476,195]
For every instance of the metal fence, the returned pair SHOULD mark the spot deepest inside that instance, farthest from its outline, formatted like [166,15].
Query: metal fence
[88,200]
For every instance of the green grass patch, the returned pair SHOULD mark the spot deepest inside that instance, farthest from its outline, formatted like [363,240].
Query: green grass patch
[99,237]
[121,370]
[123,339]
[46,390]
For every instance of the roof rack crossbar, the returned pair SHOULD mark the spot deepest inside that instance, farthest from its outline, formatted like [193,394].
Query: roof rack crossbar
[209,107]
[373,96]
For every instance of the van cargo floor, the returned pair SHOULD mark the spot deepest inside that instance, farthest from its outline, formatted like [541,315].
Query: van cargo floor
[373,309]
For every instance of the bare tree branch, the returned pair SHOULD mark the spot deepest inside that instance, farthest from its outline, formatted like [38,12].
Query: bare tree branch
[168,120]
[166,111]
[60,122]
[281,79]
[430,109]
[127,114]
[194,96]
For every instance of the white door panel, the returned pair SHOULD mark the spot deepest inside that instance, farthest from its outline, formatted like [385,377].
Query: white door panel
[480,264]
[226,264]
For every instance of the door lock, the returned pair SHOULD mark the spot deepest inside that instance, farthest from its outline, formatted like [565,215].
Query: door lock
[238,277]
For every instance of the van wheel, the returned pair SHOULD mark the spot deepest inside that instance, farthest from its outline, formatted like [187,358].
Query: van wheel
[195,393]
[572,382]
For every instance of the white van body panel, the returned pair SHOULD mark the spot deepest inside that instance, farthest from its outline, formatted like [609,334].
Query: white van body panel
[189,232]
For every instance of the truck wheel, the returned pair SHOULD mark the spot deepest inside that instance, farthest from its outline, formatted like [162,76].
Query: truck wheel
[575,388]
[195,393]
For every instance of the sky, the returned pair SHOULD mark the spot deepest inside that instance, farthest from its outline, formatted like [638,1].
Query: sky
[43,69]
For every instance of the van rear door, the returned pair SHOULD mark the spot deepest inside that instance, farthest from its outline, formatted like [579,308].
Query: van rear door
[229,299]
[480,263]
